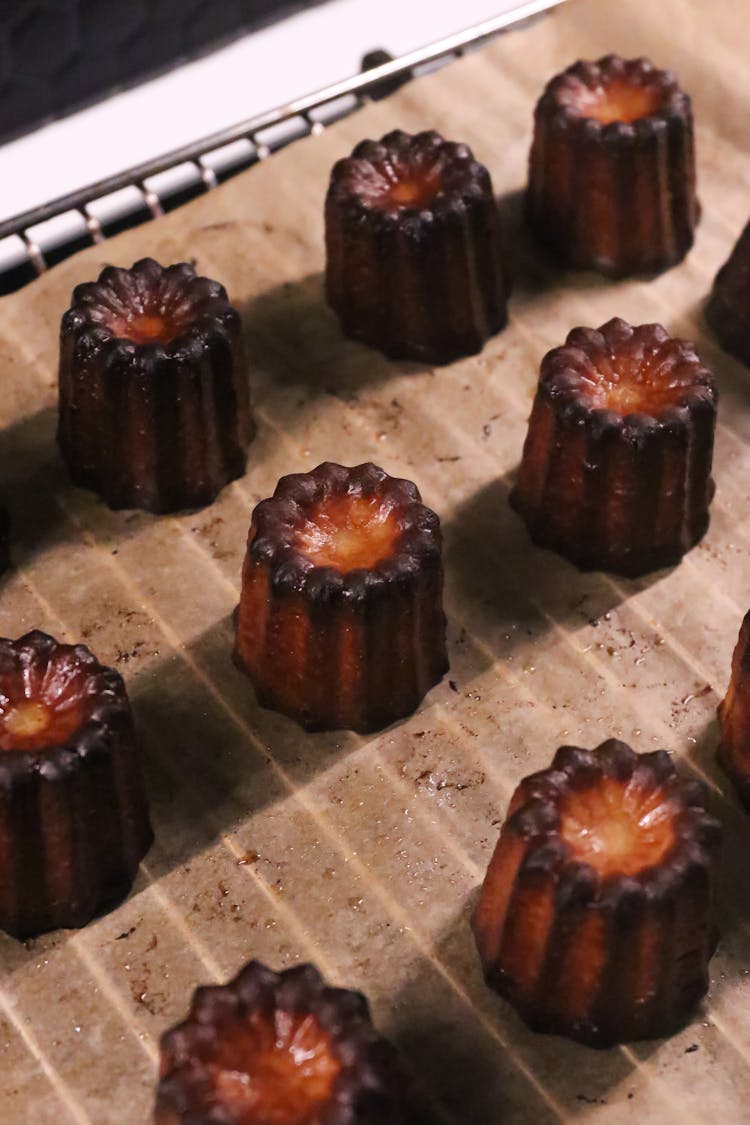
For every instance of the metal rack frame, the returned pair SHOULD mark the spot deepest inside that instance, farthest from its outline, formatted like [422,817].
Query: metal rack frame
[94,213]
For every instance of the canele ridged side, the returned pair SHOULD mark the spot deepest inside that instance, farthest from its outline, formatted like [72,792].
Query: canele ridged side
[354,650]
[734,718]
[422,281]
[73,816]
[728,306]
[160,425]
[599,958]
[333,1031]
[618,197]
[622,492]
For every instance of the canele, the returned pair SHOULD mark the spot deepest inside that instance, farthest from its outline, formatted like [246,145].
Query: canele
[596,917]
[340,622]
[154,397]
[612,168]
[728,307]
[74,821]
[616,466]
[414,254]
[734,718]
[278,1049]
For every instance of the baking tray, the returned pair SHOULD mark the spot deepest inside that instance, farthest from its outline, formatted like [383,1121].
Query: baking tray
[364,854]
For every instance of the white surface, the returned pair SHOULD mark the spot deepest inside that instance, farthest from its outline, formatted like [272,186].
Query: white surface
[255,73]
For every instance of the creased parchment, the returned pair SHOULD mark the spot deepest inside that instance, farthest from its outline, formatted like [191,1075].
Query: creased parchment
[364,855]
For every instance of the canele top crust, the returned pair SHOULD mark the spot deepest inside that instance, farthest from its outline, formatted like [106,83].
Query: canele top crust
[422,174]
[620,827]
[341,530]
[613,96]
[611,816]
[163,309]
[619,371]
[53,694]
[278,1049]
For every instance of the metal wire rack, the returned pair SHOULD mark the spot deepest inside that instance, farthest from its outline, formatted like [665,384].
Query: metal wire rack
[34,240]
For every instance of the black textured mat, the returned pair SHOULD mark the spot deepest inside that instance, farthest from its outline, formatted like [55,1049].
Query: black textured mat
[56,55]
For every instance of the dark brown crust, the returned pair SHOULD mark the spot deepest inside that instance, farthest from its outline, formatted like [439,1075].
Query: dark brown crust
[159,426]
[624,493]
[374,638]
[618,197]
[73,817]
[734,718]
[651,934]
[369,1090]
[423,282]
[728,307]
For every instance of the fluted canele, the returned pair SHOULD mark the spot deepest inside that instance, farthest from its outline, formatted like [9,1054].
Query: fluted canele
[278,1049]
[340,623]
[728,307]
[595,919]
[154,397]
[734,718]
[414,257]
[612,168]
[74,821]
[616,467]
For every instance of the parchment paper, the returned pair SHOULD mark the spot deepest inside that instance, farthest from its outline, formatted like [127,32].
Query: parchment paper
[364,855]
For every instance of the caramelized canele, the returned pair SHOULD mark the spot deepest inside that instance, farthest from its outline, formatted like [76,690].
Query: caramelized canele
[728,308]
[595,919]
[340,622]
[734,718]
[278,1049]
[616,467]
[414,263]
[73,817]
[154,398]
[612,167]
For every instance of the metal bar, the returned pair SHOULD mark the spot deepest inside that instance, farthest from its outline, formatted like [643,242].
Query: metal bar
[151,199]
[93,224]
[207,174]
[359,84]
[34,251]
